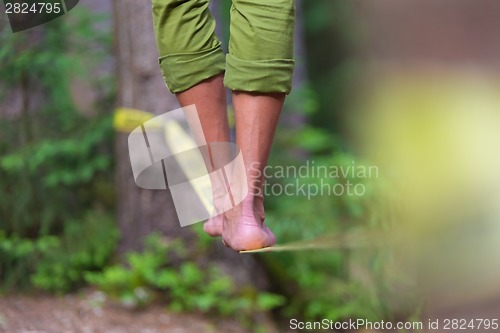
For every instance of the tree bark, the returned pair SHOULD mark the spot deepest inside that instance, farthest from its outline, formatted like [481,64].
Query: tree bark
[140,86]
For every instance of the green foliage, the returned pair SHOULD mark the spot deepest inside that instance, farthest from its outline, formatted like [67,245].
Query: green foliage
[57,264]
[335,284]
[332,31]
[85,245]
[68,169]
[19,257]
[320,282]
[55,162]
[187,286]
[78,153]
[56,180]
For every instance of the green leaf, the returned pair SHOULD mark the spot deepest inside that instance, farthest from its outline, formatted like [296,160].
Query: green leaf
[268,301]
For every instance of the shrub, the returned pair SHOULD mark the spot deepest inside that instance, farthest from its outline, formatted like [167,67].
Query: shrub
[188,286]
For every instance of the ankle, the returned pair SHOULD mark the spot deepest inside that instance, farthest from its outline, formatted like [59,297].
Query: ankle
[253,205]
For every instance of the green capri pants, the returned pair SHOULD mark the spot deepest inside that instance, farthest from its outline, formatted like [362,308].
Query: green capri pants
[260,57]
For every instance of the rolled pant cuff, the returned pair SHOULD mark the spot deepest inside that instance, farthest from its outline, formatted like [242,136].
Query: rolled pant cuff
[265,76]
[183,70]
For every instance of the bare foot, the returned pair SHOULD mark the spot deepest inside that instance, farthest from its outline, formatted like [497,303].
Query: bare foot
[213,226]
[244,228]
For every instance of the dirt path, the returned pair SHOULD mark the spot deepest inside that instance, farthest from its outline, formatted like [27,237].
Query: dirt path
[89,312]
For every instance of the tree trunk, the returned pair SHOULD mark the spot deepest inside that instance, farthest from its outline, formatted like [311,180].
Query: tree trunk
[140,86]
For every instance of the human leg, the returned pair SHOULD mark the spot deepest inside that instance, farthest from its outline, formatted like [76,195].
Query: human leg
[192,64]
[259,71]
[256,120]
[209,96]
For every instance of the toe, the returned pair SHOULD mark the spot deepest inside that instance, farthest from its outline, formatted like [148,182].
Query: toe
[213,228]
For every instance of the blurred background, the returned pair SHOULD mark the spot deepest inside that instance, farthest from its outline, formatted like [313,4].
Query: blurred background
[408,88]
